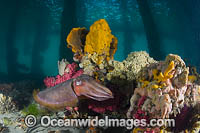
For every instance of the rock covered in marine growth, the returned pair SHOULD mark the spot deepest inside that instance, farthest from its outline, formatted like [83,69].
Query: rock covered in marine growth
[195,119]
[87,64]
[70,71]
[131,66]
[93,49]
[167,88]
[7,104]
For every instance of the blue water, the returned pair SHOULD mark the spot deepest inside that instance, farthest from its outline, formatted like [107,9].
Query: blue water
[177,24]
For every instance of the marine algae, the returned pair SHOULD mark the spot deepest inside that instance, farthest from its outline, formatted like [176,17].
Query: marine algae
[33,109]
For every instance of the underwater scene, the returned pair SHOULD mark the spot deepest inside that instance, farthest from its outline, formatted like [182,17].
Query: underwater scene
[100,66]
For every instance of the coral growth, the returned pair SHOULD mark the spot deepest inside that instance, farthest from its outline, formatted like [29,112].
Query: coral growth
[87,64]
[140,114]
[195,119]
[76,39]
[95,48]
[129,69]
[8,94]
[101,107]
[62,66]
[7,104]
[70,72]
[126,73]
[182,118]
[166,87]
[100,41]
[161,89]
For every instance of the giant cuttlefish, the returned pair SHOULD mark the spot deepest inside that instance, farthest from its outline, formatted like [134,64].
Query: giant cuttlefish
[68,93]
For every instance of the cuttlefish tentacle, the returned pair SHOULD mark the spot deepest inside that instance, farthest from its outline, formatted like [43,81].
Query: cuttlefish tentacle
[68,93]
[88,87]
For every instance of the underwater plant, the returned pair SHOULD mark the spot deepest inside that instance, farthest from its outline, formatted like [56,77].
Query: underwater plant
[33,109]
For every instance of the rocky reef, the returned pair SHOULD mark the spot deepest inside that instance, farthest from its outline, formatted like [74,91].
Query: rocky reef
[93,48]
[138,87]
[129,68]
[165,88]
[66,71]
[159,89]
[7,104]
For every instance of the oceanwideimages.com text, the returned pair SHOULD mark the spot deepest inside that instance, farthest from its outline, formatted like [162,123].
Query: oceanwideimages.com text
[47,121]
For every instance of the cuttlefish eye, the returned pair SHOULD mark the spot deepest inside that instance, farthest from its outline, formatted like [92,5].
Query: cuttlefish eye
[78,82]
